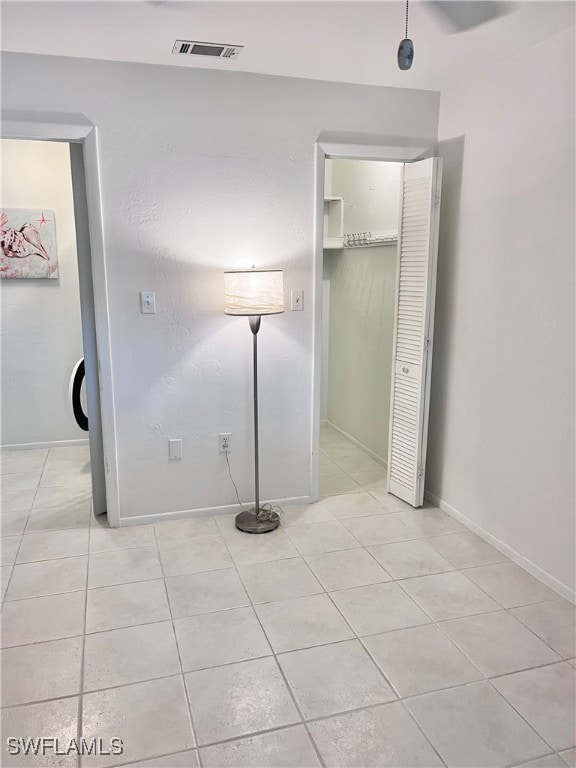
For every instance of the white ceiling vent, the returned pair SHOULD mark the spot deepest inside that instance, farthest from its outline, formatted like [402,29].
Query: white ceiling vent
[216,50]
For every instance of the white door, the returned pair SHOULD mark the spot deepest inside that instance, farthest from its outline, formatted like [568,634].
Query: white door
[413,328]
[87,312]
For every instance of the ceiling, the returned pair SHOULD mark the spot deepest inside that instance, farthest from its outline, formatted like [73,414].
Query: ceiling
[353,42]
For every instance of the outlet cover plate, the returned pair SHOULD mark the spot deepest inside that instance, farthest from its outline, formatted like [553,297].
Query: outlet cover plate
[297,300]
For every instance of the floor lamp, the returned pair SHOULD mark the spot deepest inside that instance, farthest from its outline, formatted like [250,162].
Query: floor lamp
[253,293]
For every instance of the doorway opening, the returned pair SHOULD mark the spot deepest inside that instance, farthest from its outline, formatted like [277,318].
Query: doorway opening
[372,379]
[53,467]
[360,264]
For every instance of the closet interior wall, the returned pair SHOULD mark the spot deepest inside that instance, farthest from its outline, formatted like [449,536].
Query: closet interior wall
[359,286]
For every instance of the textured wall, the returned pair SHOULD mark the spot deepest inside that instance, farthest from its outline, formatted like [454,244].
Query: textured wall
[501,445]
[202,171]
[362,296]
[40,329]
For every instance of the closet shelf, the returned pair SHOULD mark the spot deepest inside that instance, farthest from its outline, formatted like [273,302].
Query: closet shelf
[369,239]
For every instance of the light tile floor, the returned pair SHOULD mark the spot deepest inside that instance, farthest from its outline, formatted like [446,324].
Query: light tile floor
[361,633]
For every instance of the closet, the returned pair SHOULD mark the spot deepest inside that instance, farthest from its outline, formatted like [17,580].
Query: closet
[379,271]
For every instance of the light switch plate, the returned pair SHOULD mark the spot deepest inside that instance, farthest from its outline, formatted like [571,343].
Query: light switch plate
[175,449]
[148,302]
[297,300]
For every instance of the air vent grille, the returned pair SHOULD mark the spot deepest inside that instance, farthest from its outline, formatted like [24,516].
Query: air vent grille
[215,50]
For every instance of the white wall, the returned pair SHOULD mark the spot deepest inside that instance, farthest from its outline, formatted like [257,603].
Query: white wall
[40,329]
[501,447]
[362,295]
[201,171]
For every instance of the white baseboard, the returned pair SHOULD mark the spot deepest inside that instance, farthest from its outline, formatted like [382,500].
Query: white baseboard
[160,517]
[551,581]
[373,455]
[52,444]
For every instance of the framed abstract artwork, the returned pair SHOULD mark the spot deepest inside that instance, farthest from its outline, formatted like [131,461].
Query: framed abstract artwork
[27,244]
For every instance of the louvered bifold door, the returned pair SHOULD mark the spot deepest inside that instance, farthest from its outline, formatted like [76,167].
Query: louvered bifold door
[414,319]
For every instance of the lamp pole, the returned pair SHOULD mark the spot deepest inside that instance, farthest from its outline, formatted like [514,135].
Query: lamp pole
[255,327]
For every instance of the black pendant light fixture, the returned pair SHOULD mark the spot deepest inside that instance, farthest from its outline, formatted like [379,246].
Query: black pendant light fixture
[406,48]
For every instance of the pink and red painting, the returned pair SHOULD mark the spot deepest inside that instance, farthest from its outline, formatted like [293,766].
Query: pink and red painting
[27,244]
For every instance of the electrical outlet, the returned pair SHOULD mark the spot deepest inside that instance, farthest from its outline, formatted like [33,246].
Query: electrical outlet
[224,443]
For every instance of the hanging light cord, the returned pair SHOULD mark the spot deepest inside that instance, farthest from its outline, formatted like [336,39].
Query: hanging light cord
[406,35]
[267,511]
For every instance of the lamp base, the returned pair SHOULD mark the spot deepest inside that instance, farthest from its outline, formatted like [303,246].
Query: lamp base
[248,522]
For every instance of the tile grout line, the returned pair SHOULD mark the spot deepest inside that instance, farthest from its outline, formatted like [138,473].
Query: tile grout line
[328,717]
[388,682]
[39,482]
[300,555]
[182,674]
[370,656]
[409,697]
[521,716]
[274,656]
[489,677]
[499,609]
[433,622]
[24,529]
[358,637]
[564,658]
[80,723]
[422,731]
[13,567]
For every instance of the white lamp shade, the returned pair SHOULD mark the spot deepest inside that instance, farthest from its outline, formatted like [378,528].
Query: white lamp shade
[254,292]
